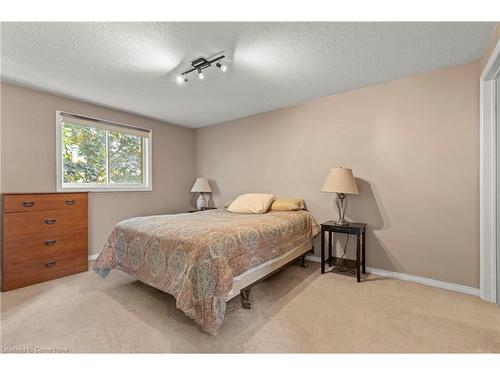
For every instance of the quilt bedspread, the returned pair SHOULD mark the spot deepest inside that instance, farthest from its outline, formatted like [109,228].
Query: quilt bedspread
[194,256]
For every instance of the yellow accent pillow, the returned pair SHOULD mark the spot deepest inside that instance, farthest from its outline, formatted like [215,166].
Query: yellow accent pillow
[252,203]
[288,204]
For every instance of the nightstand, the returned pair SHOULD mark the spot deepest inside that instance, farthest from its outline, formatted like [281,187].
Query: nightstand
[356,229]
[203,209]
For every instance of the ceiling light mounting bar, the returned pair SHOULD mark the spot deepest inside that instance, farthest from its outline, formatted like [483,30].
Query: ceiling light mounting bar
[201,63]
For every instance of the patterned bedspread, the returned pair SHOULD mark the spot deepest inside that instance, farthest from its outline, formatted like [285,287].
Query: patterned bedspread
[194,256]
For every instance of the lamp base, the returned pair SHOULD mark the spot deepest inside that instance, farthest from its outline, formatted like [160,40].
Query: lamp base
[341,222]
[201,202]
[341,203]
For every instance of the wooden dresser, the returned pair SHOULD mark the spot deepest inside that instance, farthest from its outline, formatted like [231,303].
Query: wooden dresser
[44,236]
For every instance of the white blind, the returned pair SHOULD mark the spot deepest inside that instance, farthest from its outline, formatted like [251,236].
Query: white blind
[106,125]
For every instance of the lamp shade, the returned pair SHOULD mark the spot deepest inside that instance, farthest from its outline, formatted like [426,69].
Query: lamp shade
[340,180]
[201,185]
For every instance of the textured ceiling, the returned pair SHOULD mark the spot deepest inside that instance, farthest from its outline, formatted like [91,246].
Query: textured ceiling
[132,66]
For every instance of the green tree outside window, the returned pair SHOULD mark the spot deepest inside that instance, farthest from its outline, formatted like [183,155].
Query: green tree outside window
[98,156]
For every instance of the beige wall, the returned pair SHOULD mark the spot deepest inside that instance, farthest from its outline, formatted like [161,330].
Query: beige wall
[28,158]
[494,38]
[413,145]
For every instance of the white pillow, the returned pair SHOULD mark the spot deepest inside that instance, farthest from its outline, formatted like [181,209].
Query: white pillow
[252,203]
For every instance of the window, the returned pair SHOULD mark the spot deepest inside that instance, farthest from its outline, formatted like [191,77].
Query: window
[100,155]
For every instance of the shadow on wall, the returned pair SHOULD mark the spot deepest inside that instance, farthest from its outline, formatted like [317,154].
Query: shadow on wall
[367,207]
[215,192]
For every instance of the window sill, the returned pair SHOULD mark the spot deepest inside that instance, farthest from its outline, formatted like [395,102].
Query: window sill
[104,189]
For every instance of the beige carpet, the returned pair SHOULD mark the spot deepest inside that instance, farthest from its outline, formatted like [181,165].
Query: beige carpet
[297,310]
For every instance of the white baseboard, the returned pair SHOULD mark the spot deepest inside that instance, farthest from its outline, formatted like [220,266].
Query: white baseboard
[395,275]
[416,279]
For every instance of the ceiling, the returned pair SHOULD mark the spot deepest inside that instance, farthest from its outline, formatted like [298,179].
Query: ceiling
[133,66]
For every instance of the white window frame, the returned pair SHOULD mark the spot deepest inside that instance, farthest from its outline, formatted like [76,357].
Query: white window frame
[148,161]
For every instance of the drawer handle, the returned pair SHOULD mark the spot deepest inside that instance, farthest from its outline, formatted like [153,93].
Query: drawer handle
[50,263]
[70,203]
[50,221]
[50,242]
[28,204]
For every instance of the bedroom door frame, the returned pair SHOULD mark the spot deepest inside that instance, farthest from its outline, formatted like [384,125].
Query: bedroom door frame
[489,185]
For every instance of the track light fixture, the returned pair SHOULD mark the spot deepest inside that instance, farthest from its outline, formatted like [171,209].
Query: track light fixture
[199,65]
[221,66]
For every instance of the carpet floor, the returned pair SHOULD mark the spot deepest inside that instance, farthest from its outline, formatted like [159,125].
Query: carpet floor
[297,310]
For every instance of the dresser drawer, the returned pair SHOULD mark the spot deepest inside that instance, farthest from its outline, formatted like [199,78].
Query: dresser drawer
[21,223]
[50,244]
[40,202]
[19,274]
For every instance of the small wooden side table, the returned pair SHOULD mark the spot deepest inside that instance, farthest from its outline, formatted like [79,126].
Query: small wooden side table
[203,209]
[356,229]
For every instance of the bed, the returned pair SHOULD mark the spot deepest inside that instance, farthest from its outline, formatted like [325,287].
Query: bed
[206,258]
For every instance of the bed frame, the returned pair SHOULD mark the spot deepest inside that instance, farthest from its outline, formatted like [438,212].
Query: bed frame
[243,283]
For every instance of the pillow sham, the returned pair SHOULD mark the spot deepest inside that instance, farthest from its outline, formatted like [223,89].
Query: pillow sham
[251,203]
[288,204]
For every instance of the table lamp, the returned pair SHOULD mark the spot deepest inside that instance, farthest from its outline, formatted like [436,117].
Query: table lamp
[201,186]
[341,181]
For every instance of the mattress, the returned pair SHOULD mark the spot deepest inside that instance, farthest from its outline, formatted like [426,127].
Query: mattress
[196,256]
